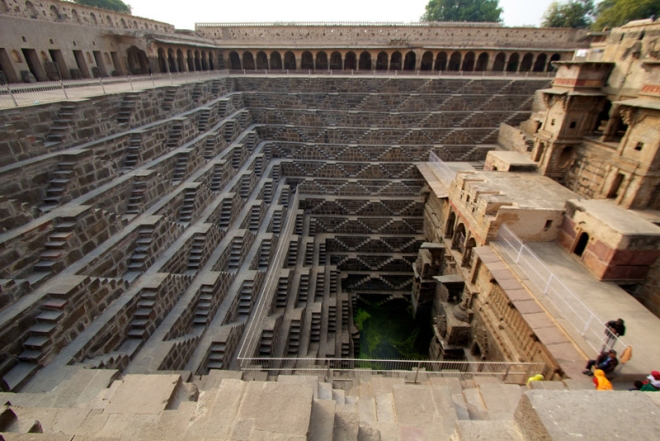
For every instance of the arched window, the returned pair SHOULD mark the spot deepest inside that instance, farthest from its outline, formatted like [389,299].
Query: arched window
[349,61]
[289,61]
[441,62]
[500,62]
[539,66]
[455,62]
[75,16]
[108,20]
[92,17]
[527,61]
[204,61]
[468,62]
[234,61]
[395,61]
[365,61]
[335,61]
[410,61]
[467,255]
[123,23]
[381,61]
[458,240]
[275,61]
[248,61]
[262,60]
[427,61]
[54,13]
[307,61]
[31,10]
[512,65]
[321,61]
[482,62]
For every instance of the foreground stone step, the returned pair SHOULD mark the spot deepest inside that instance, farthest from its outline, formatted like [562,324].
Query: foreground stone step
[490,430]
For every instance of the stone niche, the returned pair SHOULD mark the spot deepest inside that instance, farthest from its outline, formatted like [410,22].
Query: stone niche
[428,264]
[497,160]
[613,243]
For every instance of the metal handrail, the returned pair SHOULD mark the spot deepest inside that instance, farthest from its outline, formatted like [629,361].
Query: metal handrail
[420,24]
[253,332]
[445,174]
[587,323]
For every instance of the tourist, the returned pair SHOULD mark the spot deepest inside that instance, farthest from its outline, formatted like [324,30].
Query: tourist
[606,362]
[537,377]
[613,330]
[651,384]
[601,382]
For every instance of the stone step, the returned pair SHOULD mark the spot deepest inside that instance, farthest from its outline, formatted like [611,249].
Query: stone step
[19,375]
[496,430]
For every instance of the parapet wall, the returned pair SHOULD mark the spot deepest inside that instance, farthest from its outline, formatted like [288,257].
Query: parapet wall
[75,14]
[456,35]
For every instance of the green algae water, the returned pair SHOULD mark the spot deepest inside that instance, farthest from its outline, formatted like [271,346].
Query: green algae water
[389,331]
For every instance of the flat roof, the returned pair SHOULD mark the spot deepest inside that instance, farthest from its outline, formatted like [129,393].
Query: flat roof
[619,219]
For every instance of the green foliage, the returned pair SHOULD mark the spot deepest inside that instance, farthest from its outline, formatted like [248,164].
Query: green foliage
[112,5]
[611,13]
[463,10]
[573,14]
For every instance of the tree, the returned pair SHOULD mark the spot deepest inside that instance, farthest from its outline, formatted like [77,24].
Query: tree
[611,13]
[112,5]
[573,14]
[463,10]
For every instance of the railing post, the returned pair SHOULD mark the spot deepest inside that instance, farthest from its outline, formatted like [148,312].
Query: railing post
[13,98]
[101,83]
[153,83]
[547,285]
[64,88]
[520,252]
[130,81]
[506,372]
[586,326]
[171,80]
[419,365]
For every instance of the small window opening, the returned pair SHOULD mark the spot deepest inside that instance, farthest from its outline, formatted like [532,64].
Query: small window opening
[548,224]
[573,124]
[581,244]
[639,146]
[552,123]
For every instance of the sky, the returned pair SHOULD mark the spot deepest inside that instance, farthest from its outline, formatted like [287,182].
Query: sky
[184,14]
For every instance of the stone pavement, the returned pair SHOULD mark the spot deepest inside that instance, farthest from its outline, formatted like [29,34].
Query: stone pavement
[228,405]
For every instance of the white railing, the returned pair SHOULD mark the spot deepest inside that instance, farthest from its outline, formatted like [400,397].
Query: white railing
[420,24]
[577,314]
[253,333]
[441,169]
[27,94]
[514,372]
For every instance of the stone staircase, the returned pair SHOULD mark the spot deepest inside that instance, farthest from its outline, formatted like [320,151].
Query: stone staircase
[126,108]
[61,124]
[57,186]
[133,150]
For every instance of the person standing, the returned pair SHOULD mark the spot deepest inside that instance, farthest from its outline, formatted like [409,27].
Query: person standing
[613,330]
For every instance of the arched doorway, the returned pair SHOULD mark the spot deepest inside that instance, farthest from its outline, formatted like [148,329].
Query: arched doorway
[581,244]
[262,60]
[527,61]
[198,62]
[204,61]
[137,61]
[449,225]
[321,61]
[162,63]
[410,61]
[555,57]
[248,60]
[395,61]
[180,61]
[307,61]
[381,61]
[349,61]
[335,61]
[467,255]
[275,61]
[482,62]
[454,62]
[289,61]
[234,61]
[512,65]
[171,61]
[458,240]
[468,62]
[427,61]
[499,63]
[191,62]
[441,62]
[365,61]
[539,66]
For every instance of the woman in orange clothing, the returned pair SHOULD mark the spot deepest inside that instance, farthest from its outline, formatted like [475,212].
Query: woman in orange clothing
[600,381]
